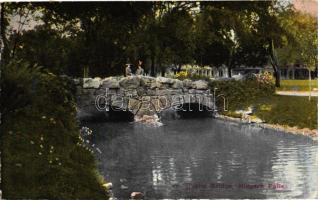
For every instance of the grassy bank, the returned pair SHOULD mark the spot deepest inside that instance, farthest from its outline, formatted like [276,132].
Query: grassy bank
[273,109]
[42,154]
[288,110]
[297,85]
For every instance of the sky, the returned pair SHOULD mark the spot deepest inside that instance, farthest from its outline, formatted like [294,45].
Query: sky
[308,6]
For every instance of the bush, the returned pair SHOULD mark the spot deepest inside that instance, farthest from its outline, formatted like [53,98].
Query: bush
[185,75]
[242,94]
[265,78]
[42,154]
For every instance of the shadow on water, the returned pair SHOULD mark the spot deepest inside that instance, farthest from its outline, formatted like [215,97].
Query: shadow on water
[187,111]
[114,114]
[205,158]
[117,115]
[194,110]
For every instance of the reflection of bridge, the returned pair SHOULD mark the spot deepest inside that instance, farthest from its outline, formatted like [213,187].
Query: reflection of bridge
[141,95]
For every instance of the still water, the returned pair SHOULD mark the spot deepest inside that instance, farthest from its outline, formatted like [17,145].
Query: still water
[205,158]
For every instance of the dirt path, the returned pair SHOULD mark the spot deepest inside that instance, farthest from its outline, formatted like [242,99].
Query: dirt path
[297,93]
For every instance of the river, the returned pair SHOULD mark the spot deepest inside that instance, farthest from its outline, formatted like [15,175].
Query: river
[205,158]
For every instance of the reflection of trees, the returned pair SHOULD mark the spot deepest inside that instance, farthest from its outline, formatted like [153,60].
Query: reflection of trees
[163,160]
[296,165]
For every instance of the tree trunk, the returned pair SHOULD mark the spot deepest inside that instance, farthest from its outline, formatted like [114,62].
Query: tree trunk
[3,26]
[309,74]
[276,72]
[274,63]
[3,32]
[179,68]
[277,78]
[317,114]
[152,68]
[15,41]
[163,72]
[229,68]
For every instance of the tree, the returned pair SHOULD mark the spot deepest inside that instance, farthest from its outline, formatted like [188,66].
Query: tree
[49,49]
[100,32]
[232,33]
[20,15]
[302,48]
[166,36]
[274,34]
[104,36]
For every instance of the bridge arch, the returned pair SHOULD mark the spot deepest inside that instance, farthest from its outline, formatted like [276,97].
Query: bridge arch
[140,95]
[195,110]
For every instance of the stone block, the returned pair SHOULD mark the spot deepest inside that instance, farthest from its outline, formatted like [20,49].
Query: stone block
[177,84]
[130,82]
[188,84]
[201,85]
[92,83]
[110,82]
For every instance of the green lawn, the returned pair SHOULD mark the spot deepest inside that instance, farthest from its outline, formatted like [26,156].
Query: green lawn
[285,110]
[273,109]
[297,85]
[288,110]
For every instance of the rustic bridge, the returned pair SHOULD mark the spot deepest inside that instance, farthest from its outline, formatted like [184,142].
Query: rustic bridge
[140,95]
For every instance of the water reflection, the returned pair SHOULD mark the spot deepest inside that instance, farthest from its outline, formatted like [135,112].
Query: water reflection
[206,158]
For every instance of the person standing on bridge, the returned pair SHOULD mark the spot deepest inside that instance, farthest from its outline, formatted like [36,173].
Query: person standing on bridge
[128,71]
[140,70]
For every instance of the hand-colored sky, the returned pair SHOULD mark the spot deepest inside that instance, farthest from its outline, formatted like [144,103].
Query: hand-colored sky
[309,6]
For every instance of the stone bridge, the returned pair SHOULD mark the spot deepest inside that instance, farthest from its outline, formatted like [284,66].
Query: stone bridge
[140,95]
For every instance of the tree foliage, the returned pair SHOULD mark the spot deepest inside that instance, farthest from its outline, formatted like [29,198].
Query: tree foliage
[104,36]
[302,47]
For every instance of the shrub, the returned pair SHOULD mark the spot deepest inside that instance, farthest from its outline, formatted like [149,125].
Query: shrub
[242,94]
[186,75]
[182,75]
[265,78]
[42,154]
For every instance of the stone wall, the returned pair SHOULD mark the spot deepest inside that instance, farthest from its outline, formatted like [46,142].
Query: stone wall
[128,93]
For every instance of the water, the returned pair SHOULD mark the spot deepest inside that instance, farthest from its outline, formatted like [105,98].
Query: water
[205,158]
